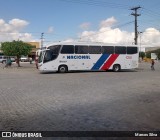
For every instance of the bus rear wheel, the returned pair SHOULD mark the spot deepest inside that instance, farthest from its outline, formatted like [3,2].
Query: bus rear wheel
[62,69]
[116,68]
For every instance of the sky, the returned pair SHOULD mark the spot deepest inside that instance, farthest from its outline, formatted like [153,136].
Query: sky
[81,20]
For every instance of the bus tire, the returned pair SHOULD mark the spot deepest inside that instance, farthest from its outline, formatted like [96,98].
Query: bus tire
[116,68]
[62,69]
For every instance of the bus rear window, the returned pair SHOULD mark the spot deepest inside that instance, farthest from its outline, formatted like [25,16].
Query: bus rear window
[132,50]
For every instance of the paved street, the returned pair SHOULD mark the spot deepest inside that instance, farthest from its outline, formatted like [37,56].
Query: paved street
[128,100]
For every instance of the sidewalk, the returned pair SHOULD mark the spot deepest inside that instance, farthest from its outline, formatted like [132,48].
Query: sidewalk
[23,65]
[147,66]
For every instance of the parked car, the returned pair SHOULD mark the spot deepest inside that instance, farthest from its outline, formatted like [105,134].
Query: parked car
[13,59]
[3,59]
[24,59]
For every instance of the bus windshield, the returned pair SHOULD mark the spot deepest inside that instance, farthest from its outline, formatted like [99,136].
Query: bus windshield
[51,53]
[41,56]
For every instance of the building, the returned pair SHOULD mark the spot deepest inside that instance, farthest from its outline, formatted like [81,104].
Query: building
[36,46]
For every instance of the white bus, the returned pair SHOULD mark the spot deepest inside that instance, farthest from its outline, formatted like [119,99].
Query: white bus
[63,57]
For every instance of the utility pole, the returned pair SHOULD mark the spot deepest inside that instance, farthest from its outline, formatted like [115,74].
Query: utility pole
[135,15]
[140,40]
[42,34]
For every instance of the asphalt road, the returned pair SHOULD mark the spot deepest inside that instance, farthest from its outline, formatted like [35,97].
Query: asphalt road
[79,101]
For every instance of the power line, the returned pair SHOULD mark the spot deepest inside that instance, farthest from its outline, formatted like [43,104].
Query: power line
[113,27]
[95,34]
[150,12]
[98,3]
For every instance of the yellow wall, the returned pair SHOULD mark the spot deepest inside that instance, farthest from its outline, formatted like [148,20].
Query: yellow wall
[36,44]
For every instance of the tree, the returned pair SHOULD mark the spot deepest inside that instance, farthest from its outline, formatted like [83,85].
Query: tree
[157,52]
[142,55]
[16,48]
[148,54]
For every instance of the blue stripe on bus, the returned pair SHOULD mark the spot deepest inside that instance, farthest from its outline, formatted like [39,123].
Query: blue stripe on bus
[100,62]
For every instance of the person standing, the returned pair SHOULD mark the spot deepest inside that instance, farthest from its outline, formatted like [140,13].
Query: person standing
[152,64]
[30,60]
[8,62]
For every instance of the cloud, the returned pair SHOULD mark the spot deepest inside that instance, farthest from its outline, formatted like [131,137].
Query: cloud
[108,22]
[107,34]
[2,22]
[150,37]
[18,23]
[50,29]
[12,30]
[85,26]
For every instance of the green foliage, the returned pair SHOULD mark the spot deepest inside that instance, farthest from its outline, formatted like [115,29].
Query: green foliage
[16,48]
[158,53]
[142,55]
[148,54]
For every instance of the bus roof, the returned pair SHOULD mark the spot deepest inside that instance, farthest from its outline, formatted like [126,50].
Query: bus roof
[87,43]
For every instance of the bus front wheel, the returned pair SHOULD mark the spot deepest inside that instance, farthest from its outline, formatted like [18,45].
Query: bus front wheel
[116,68]
[62,69]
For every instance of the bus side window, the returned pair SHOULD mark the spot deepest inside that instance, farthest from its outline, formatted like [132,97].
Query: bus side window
[81,49]
[107,49]
[67,49]
[120,50]
[95,49]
